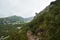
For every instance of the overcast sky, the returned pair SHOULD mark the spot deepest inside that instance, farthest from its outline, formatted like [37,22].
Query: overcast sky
[24,8]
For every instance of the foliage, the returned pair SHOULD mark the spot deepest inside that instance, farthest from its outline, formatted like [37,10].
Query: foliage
[47,20]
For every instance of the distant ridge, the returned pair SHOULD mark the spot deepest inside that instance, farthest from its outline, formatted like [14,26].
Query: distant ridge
[15,20]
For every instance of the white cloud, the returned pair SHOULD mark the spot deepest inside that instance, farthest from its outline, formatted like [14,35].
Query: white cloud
[25,8]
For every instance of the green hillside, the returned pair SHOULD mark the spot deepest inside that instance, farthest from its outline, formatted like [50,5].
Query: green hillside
[47,20]
[14,20]
[10,25]
[45,25]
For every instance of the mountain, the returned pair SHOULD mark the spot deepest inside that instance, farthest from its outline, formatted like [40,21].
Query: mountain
[45,25]
[28,19]
[14,20]
[11,24]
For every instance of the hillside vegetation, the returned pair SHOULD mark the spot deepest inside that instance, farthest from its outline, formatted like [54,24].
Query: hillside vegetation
[47,20]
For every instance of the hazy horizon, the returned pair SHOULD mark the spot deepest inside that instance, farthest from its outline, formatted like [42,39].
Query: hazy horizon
[24,8]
